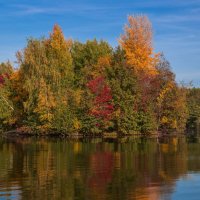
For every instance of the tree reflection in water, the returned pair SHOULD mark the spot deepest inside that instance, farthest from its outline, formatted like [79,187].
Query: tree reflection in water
[96,169]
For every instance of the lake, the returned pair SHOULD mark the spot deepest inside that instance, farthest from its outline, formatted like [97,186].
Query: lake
[100,169]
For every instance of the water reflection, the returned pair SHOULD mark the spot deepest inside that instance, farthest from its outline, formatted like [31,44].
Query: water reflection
[127,169]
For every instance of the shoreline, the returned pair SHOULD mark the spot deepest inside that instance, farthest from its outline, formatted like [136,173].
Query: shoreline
[111,135]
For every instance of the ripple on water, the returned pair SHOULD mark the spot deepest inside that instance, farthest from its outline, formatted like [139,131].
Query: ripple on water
[10,192]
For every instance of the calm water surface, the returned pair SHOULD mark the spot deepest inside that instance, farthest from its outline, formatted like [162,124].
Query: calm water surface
[100,170]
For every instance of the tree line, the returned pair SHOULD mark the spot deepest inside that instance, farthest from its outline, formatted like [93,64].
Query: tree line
[65,86]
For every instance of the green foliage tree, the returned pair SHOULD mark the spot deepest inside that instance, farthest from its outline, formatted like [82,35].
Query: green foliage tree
[6,106]
[123,83]
[193,105]
[86,57]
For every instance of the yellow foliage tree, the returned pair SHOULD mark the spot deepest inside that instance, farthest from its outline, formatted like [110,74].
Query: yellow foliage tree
[137,44]
[99,67]
[163,93]
[58,41]
[45,106]
[59,56]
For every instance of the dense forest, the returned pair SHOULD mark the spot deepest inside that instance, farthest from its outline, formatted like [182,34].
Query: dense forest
[67,87]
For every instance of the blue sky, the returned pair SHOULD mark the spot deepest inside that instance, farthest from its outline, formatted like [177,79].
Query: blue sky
[176,26]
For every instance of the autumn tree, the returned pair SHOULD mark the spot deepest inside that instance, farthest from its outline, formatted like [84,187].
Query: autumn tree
[59,57]
[89,62]
[170,106]
[98,108]
[45,107]
[102,106]
[123,83]
[137,44]
[193,105]
[62,72]
[89,59]
[65,86]
[18,95]
[47,72]
[6,106]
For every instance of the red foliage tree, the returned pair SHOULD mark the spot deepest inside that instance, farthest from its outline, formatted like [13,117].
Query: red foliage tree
[1,80]
[102,103]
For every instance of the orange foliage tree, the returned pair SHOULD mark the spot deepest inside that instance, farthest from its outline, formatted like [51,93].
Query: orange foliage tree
[137,44]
